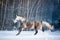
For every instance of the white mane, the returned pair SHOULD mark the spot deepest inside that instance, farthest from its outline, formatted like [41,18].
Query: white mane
[19,18]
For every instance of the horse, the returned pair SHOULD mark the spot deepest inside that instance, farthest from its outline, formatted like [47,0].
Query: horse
[36,25]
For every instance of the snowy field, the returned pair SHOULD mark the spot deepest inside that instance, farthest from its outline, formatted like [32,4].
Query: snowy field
[29,35]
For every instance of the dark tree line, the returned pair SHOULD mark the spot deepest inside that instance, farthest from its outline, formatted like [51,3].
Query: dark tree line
[47,10]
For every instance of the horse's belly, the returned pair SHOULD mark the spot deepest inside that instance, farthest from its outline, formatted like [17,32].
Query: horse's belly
[32,27]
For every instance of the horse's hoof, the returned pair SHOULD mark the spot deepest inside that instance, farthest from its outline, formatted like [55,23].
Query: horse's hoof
[52,30]
[35,34]
[43,30]
[17,34]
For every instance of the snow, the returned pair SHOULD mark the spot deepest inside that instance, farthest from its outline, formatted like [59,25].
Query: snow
[29,35]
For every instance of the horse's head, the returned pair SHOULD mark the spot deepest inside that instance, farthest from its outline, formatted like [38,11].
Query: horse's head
[19,18]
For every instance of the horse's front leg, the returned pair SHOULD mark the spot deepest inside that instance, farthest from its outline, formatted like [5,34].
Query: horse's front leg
[20,29]
[36,30]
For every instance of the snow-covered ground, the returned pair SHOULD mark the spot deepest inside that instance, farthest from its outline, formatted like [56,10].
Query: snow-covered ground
[29,35]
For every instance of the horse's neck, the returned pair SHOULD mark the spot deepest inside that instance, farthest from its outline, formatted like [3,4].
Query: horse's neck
[25,21]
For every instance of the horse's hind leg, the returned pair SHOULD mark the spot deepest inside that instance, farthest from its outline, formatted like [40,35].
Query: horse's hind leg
[36,30]
[43,29]
[20,29]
